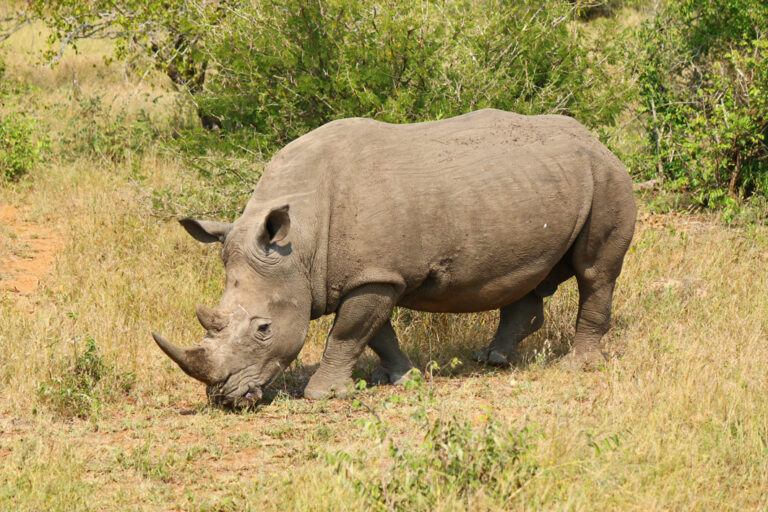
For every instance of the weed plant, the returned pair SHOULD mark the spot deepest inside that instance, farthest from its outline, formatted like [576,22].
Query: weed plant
[78,389]
[457,458]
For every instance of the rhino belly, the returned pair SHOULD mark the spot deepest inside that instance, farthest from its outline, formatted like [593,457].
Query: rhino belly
[454,286]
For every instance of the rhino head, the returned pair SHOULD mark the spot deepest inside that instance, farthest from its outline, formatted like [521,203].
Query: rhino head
[261,322]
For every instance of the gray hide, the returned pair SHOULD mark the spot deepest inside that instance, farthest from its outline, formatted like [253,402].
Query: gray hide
[488,210]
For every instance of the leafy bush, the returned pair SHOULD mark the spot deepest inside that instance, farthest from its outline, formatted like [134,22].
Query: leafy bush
[284,68]
[19,145]
[264,73]
[703,74]
[97,130]
[276,70]
[20,142]
[457,458]
[166,36]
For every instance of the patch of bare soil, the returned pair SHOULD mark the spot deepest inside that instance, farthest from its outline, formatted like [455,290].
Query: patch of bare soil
[27,252]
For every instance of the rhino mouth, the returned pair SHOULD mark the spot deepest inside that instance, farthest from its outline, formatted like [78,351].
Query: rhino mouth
[243,397]
[244,388]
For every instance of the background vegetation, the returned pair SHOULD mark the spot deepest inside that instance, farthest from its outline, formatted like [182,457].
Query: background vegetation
[703,80]
[162,116]
[678,89]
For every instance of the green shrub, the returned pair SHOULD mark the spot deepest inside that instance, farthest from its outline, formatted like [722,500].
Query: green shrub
[703,72]
[284,68]
[457,458]
[80,387]
[264,73]
[98,130]
[19,145]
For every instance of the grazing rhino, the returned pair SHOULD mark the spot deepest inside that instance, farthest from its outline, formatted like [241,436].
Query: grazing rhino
[482,211]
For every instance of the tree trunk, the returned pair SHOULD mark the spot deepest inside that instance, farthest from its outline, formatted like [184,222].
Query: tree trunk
[735,176]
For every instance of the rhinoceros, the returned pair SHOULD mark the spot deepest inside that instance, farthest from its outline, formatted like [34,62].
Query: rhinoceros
[487,210]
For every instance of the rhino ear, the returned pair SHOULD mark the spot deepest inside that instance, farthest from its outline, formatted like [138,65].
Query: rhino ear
[278,224]
[206,231]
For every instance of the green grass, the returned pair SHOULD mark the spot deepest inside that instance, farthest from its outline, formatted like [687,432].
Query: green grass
[677,419]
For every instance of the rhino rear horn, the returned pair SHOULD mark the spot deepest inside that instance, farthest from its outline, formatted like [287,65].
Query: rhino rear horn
[211,319]
[193,360]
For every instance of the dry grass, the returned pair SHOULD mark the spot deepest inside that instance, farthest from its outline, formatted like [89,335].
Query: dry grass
[677,420]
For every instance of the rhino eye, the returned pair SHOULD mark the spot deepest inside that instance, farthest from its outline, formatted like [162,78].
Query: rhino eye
[260,326]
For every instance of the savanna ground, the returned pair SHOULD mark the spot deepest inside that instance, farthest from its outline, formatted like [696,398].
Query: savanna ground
[94,417]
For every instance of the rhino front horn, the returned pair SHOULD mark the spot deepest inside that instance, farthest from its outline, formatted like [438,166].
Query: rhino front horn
[192,360]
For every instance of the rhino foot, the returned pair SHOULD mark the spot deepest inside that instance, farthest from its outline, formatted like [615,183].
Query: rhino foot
[319,388]
[494,357]
[382,376]
[584,361]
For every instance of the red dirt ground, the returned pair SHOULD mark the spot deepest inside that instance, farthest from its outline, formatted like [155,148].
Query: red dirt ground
[26,255]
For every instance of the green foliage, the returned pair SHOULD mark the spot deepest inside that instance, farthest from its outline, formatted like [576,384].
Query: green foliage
[166,36]
[268,72]
[284,68]
[81,386]
[112,136]
[20,146]
[703,75]
[457,458]
[264,73]
[229,179]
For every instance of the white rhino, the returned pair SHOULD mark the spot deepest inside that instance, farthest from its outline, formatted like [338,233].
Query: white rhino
[488,210]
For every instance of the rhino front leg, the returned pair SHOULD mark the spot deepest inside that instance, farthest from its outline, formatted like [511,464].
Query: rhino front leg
[395,365]
[360,316]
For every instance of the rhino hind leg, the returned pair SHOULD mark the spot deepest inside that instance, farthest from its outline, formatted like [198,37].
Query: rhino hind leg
[395,365]
[597,258]
[521,319]
[592,322]
[516,321]
[596,283]
[359,317]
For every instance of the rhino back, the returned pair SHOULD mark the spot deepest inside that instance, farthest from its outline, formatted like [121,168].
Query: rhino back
[466,214]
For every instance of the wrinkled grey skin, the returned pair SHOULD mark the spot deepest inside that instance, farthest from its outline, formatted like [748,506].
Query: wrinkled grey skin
[489,210]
